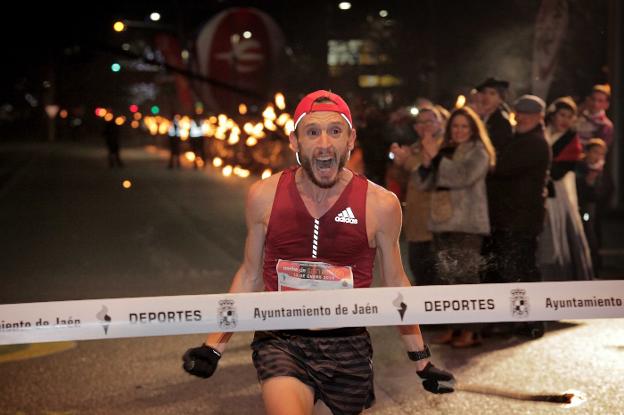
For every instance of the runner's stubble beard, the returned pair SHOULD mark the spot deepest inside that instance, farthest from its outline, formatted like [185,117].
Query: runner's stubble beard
[307,168]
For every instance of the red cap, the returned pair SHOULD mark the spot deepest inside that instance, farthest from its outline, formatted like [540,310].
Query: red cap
[307,105]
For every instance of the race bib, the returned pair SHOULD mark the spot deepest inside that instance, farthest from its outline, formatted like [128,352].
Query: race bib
[307,276]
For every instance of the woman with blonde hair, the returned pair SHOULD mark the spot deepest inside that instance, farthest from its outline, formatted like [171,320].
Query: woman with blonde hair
[455,172]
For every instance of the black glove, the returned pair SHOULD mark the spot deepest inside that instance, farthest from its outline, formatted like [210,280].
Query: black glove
[201,361]
[436,380]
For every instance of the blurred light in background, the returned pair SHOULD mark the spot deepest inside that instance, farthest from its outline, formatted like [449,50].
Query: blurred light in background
[115,67]
[383,13]
[251,141]
[217,162]
[266,173]
[190,156]
[155,16]
[242,109]
[227,171]
[127,184]
[460,101]
[247,34]
[199,108]
[280,101]
[155,109]
[119,26]
[344,5]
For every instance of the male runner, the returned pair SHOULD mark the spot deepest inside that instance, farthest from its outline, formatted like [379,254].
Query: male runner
[325,219]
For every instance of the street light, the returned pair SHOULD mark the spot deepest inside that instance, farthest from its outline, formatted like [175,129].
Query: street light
[344,5]
[119,26]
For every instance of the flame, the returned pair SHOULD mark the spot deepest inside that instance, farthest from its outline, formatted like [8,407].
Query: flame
[251,141]
[269,113]
[460,102]
[289,127]
[280,101]
[282,119]
[397,302]
[102,314]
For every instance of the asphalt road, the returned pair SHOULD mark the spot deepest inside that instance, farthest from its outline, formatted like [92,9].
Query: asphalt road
[69,230]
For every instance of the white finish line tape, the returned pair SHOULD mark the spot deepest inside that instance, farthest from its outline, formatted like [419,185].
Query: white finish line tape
[159,316]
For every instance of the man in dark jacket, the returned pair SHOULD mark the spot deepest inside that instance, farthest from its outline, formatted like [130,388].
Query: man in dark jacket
[521,173]
[518,208]
[493,111]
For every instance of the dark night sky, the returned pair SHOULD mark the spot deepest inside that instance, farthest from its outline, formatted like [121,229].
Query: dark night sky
[38,34]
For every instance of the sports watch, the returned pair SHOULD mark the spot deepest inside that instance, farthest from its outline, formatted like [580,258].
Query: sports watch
[419,355]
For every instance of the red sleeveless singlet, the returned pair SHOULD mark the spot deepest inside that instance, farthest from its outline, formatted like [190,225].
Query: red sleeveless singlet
[340,238]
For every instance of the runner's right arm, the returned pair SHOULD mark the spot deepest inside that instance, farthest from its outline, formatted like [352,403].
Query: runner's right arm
[202,361]
[248,278]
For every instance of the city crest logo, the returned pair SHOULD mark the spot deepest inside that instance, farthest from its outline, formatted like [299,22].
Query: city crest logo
[226,314]
[519,303]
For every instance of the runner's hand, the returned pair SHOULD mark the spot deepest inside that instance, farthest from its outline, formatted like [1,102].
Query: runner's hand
[201,361]
[436,380]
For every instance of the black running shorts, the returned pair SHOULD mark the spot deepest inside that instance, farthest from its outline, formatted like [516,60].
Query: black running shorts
[336,364]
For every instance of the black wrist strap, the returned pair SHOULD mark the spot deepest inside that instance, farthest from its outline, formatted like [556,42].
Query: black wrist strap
[419,355]
[211,349]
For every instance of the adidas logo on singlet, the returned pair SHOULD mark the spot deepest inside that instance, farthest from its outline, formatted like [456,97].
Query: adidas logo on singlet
[346,216]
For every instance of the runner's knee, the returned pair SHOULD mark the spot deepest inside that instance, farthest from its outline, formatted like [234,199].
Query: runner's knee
[284,395]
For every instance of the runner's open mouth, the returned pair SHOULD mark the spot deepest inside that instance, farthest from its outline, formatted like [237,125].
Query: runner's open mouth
[324,163]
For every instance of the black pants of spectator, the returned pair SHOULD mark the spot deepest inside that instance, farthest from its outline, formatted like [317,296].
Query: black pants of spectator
[511,257]
[422,262]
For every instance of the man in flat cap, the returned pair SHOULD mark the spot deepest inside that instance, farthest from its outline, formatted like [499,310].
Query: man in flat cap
[521,170]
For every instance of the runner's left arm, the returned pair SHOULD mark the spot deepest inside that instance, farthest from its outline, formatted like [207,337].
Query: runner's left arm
[388,228]
[387,231]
